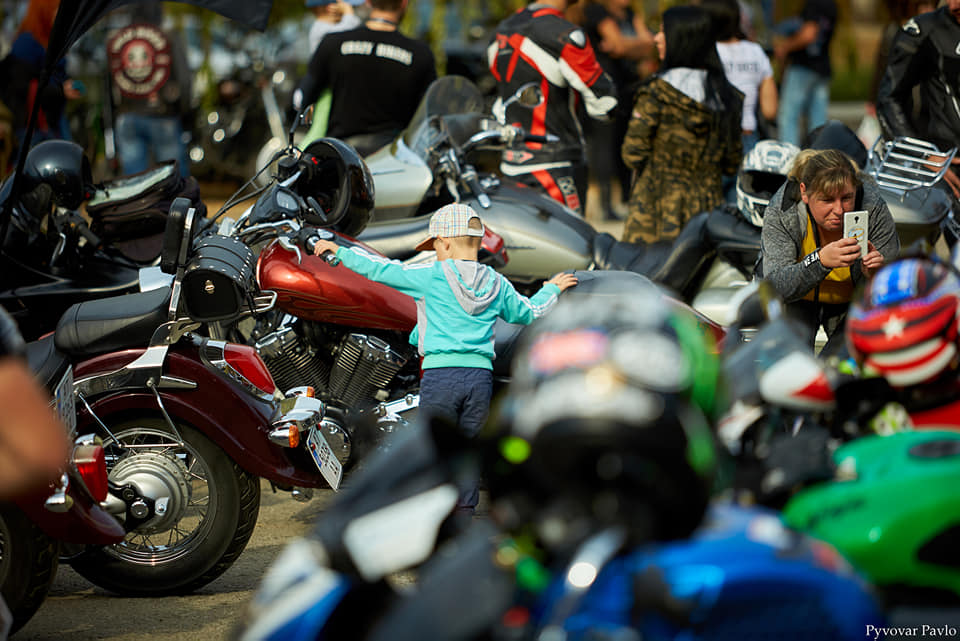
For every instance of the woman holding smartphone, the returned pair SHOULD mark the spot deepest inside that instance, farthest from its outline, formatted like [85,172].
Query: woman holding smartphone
[803,250]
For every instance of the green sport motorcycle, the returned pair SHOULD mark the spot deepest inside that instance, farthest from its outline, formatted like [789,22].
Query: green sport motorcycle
[891,510]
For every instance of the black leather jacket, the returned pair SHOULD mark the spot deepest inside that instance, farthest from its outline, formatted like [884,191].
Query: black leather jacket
[926,52]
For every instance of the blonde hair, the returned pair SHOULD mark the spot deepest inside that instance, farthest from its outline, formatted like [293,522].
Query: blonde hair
[825,171]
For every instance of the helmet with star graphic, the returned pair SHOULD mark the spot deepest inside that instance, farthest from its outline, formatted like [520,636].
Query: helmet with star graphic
[903,326]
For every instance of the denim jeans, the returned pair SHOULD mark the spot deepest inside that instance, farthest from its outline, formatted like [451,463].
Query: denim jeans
[462,396]
[140,136]
[803,93]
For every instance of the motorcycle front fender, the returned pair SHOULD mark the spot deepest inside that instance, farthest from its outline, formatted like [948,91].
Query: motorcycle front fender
[233,418]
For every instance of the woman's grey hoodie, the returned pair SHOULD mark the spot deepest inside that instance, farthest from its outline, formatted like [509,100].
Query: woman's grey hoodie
[785,225]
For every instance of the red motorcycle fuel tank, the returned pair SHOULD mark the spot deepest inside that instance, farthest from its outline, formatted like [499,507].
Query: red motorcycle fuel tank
[314,290]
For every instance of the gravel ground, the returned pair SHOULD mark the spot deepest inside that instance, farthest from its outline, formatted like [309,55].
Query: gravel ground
[76,610]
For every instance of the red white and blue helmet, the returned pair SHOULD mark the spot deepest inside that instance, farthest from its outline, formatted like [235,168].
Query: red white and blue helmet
[904,324]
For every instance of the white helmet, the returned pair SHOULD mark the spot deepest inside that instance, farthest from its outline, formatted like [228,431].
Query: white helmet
[762,172]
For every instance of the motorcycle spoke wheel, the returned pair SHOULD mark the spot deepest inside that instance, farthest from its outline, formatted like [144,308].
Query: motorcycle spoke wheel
[165,545]
[209,512]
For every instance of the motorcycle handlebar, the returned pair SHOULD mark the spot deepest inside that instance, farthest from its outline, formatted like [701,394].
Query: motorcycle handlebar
[546,138]
[308,238]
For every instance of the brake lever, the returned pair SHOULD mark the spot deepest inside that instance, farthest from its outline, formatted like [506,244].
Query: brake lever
[286,243]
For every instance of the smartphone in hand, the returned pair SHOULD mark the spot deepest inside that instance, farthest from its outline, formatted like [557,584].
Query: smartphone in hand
[855,224]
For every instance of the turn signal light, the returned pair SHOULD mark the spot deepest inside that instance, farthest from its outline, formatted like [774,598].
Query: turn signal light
[287,436]
[91,463]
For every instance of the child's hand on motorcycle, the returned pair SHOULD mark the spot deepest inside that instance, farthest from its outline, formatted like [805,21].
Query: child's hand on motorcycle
[564,280]
[322,246]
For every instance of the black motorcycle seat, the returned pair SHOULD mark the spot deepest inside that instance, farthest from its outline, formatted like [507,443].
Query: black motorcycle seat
[110,324]
[690,251]
[610,253]
[46,362]
[674,264]
[728,231]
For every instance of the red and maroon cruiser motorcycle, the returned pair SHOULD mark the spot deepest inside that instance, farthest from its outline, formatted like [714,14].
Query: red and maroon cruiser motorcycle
[189,424]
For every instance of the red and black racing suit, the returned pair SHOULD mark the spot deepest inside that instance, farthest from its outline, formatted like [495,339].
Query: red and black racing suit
[536,44]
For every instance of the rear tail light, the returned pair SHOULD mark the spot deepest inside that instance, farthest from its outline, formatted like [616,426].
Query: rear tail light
[239,363]
[91,464]
[246,362]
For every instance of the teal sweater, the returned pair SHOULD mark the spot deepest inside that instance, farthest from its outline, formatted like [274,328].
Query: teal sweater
[458,302]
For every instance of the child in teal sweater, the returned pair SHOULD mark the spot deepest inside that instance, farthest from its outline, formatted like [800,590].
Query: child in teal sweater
[458,301]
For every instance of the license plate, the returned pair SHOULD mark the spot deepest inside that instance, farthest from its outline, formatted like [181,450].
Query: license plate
[64,403]
[323,456]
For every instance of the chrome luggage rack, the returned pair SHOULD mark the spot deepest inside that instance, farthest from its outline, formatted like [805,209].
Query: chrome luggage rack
[905,163]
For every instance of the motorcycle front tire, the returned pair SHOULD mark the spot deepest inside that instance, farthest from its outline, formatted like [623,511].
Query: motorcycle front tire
[148,565]
[28,564]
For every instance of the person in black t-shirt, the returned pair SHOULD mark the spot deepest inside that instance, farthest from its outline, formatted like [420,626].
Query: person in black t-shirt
[377,77]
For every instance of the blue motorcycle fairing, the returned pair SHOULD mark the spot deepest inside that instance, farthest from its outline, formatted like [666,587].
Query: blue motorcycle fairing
[742,575]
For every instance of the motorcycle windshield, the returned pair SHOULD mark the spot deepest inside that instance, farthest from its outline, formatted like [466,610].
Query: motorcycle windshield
[445,96]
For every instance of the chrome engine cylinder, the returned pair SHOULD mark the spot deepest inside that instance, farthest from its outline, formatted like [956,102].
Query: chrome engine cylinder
[364,364]
[292,362]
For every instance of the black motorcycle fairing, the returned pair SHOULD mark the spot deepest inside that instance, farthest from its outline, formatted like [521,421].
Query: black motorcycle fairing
[445,605]
[37,299]
[112,324]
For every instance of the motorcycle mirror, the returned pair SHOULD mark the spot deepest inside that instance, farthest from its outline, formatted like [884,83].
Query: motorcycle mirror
[305,117]
[530,95]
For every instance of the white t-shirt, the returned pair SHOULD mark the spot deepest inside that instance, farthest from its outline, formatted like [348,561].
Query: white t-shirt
[746,65]
[319,28]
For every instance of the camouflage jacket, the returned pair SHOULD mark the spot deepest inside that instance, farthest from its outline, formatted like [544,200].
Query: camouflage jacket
[678,151]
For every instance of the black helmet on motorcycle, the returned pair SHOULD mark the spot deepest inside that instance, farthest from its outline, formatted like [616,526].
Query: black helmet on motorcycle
[56,172]
[835,134]
[340,181]
[606,419]
[763,171]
